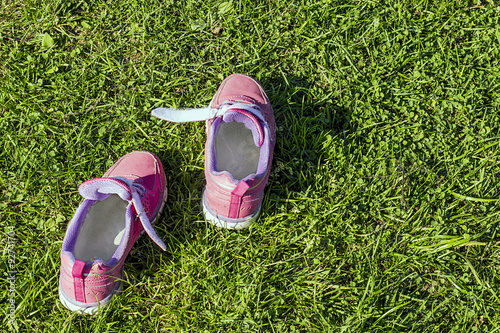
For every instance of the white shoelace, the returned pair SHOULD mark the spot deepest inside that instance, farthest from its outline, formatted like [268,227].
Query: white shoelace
[202,114]
[138,191]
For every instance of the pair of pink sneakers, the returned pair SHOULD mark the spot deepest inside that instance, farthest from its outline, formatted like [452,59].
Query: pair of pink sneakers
[125,202]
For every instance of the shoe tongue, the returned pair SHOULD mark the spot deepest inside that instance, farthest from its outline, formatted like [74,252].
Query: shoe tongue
[249,120]
[102,188]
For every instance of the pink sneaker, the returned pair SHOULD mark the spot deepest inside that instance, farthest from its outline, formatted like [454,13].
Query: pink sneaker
[239,150]
[116,209]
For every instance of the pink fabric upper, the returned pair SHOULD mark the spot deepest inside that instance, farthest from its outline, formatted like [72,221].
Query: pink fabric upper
[145,168]
[224,196]
[93,281]
[243,88]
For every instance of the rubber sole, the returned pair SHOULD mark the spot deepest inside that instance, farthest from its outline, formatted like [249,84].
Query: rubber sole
[225,222]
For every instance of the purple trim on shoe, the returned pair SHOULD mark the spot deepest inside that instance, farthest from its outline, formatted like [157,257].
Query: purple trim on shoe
[264,156]
[119,254]
[262,167]
[250,122]
[101,188]
[74,227]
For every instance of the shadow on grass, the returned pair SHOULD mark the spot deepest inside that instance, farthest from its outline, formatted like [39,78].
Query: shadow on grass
[306,117]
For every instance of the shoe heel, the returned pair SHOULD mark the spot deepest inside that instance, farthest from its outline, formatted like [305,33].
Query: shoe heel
[225,222]
[87,308]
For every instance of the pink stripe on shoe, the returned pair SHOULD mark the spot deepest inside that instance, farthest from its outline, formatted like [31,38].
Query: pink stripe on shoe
[79,287]
[236,196]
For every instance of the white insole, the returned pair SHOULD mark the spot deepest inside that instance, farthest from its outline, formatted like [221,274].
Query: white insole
[235,150]
[102,230]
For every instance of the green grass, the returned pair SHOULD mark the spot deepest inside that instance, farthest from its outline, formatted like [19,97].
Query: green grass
[383,206]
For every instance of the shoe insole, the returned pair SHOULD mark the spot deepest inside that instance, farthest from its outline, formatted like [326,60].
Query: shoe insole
[235,150]
[102,230]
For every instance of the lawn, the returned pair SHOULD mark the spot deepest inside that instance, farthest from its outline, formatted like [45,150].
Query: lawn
[382,210]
